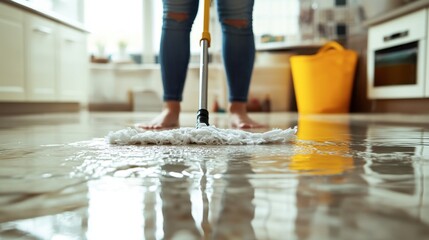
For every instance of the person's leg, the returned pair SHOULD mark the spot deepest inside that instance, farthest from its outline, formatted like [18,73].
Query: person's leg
[178,17]
[238,50]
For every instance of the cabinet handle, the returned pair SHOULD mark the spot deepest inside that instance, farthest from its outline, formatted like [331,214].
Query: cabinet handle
[395,36]
[70,41]
[43,30]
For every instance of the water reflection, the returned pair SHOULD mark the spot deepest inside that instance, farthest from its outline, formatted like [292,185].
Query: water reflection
[65,225]
[115,209]
[323,148]
[193,193]
[396,168]
[190,208]
[237,209]
[343,179]
[372,175]
[176,202]
[323,151]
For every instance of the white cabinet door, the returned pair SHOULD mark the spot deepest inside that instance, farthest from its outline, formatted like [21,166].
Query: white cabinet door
[427,60]
[12,77]
[73,65]
[41,58]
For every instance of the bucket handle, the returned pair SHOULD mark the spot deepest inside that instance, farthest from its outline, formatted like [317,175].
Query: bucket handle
[332,45]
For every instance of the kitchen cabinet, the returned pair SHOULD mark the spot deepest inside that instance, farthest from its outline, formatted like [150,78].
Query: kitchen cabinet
[41,58]
[426,66]
[12,78]
[72,65]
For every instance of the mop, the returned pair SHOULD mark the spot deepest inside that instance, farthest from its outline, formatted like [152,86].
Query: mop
[203,133]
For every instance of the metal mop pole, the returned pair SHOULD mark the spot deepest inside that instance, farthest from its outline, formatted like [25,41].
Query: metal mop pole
[203,113]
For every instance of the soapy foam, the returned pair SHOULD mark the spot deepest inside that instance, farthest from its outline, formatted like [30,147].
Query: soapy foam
[208,135]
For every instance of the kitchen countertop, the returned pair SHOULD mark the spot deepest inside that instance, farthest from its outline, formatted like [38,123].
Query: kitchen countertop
[408,8]
[31,7]
[289,46]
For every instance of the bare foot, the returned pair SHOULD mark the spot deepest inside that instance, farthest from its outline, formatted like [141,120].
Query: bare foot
[239,117]
[168,118]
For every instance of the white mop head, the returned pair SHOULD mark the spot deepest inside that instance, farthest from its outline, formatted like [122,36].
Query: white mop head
[208,135]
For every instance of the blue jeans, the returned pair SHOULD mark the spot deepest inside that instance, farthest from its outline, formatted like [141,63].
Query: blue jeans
[238,46]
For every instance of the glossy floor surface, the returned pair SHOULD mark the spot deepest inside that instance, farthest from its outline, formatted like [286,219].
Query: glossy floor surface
[345,177]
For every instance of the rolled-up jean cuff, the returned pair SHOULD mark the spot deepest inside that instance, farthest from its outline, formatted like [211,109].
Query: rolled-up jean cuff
[238,100]
[172,98]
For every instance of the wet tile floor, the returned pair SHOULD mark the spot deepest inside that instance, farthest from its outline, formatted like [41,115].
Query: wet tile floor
[345,177]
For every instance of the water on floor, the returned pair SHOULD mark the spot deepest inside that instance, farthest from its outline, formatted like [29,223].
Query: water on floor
[345,177]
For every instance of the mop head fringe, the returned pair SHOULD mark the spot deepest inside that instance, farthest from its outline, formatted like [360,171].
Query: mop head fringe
[208,135]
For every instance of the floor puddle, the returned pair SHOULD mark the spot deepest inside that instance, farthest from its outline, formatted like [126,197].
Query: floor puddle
[343,178]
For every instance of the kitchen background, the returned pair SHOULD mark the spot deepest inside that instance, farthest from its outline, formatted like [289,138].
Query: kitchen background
[68,55]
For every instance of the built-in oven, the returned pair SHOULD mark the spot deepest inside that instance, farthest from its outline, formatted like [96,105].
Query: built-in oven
[397,58]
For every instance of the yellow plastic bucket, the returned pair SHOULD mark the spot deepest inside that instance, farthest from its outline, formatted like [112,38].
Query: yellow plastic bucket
[323,82]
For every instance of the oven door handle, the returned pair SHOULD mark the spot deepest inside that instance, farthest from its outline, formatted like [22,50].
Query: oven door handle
[395,36]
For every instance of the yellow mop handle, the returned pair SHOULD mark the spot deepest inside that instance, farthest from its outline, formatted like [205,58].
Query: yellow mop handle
[206,33]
